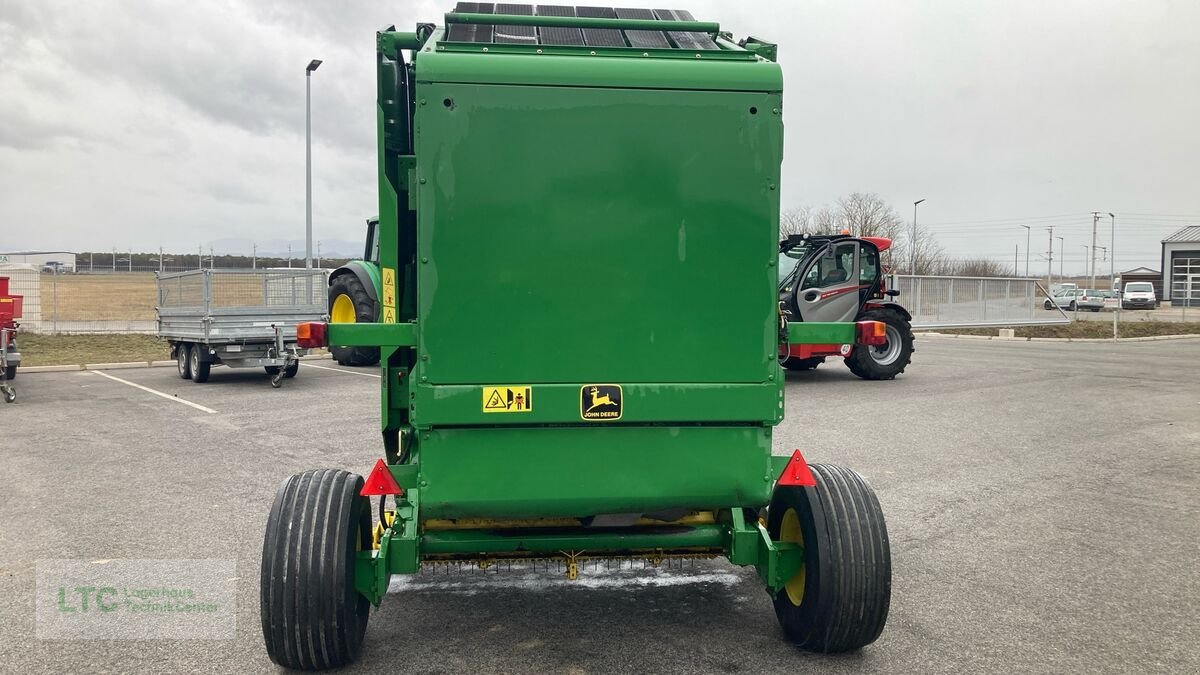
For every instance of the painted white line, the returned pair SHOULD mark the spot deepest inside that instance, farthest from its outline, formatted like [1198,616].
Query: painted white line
[339,370]
[169,397]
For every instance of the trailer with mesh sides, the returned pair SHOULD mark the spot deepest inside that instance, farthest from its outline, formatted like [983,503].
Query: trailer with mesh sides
[238,318]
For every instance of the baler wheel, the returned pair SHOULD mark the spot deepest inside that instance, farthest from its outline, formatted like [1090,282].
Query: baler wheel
[839,599]
[349,303]
[312,616]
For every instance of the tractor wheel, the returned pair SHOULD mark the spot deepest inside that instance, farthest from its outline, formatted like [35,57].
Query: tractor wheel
[349,303]
[313,618]
[198,367]
[182,362]
[793,363]
[886,361]
[839,600]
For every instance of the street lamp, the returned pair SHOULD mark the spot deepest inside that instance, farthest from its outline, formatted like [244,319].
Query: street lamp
[1112,269]
[913,257]
[312,66]
[1027,231]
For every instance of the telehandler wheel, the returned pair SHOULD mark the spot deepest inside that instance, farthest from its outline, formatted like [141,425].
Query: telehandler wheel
[349,303]
[886,361]
[182,360]
[839,600]
[793,363]
[312,616]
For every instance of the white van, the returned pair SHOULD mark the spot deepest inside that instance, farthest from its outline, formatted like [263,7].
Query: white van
[1139,295]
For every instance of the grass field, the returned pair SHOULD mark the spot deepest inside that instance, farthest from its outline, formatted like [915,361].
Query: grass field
[59,350]
[98,297]
[1090,329]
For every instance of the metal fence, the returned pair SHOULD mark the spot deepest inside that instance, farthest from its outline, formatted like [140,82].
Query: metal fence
[123,302]
[964,302]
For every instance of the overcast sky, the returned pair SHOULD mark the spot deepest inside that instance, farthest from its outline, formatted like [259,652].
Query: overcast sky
[146,123]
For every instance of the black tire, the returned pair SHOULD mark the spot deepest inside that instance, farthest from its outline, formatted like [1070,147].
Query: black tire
[365,311]
[845,587]
[312,616]
[10,373]
[882,363]
[183,360]
[1072,307]
[288,371]
[199,366]
[793,363]
[1047,306]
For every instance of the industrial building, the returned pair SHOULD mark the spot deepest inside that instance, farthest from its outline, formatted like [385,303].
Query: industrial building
[1181,267]
[58,261]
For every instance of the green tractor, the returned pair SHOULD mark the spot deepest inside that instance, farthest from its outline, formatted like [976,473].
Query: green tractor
[578,330]
[354,298]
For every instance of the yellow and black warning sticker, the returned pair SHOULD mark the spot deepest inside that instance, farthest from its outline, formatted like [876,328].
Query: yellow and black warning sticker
[600,402]
[508,399]
[389,295]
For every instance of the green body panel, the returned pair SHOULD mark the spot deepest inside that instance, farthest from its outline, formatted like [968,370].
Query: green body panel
[821,333]
[644,403]
[604,241]
[691,74]
[582,471]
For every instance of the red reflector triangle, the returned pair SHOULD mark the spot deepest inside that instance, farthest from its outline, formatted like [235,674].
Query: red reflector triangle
[797,473]
[381,482]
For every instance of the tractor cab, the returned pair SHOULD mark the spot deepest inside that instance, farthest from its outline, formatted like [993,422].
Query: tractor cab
[840,278]
[830,277]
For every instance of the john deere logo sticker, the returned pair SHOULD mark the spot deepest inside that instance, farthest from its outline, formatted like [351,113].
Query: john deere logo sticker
[510,399]
[600,402]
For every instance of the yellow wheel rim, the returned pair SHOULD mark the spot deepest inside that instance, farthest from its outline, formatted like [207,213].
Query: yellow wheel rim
[789,531]
[343,310]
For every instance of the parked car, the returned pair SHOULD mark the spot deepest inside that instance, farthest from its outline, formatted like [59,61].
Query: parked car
[1091,299]
[1139,295]
[1065,298]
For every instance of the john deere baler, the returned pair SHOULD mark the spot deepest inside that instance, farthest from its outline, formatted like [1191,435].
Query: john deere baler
[579,331]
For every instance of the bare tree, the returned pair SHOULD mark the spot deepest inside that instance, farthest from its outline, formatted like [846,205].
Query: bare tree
[795,221]
[866,214]
[980,267]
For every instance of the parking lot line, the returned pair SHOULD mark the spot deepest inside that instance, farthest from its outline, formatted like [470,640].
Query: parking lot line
[169,397]
[339,370]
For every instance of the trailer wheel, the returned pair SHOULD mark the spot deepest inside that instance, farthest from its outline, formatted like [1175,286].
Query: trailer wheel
[839,600]
[182,360]
[886,361]
[198,367]
[312,616]
[10,373]
[349,303]
[291,369]
[793,363]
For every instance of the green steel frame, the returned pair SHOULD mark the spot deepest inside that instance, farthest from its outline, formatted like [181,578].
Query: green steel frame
[662,173]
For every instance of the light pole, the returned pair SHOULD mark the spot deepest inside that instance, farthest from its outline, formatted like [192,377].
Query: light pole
[1027,233]
[1060,258]
[312,66]
[1112,268]
[913,257]
[1085,259]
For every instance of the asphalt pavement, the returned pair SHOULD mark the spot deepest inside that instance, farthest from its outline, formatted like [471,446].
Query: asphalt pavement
[1042,502]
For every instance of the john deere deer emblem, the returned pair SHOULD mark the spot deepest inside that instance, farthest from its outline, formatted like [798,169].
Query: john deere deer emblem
[600,402]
